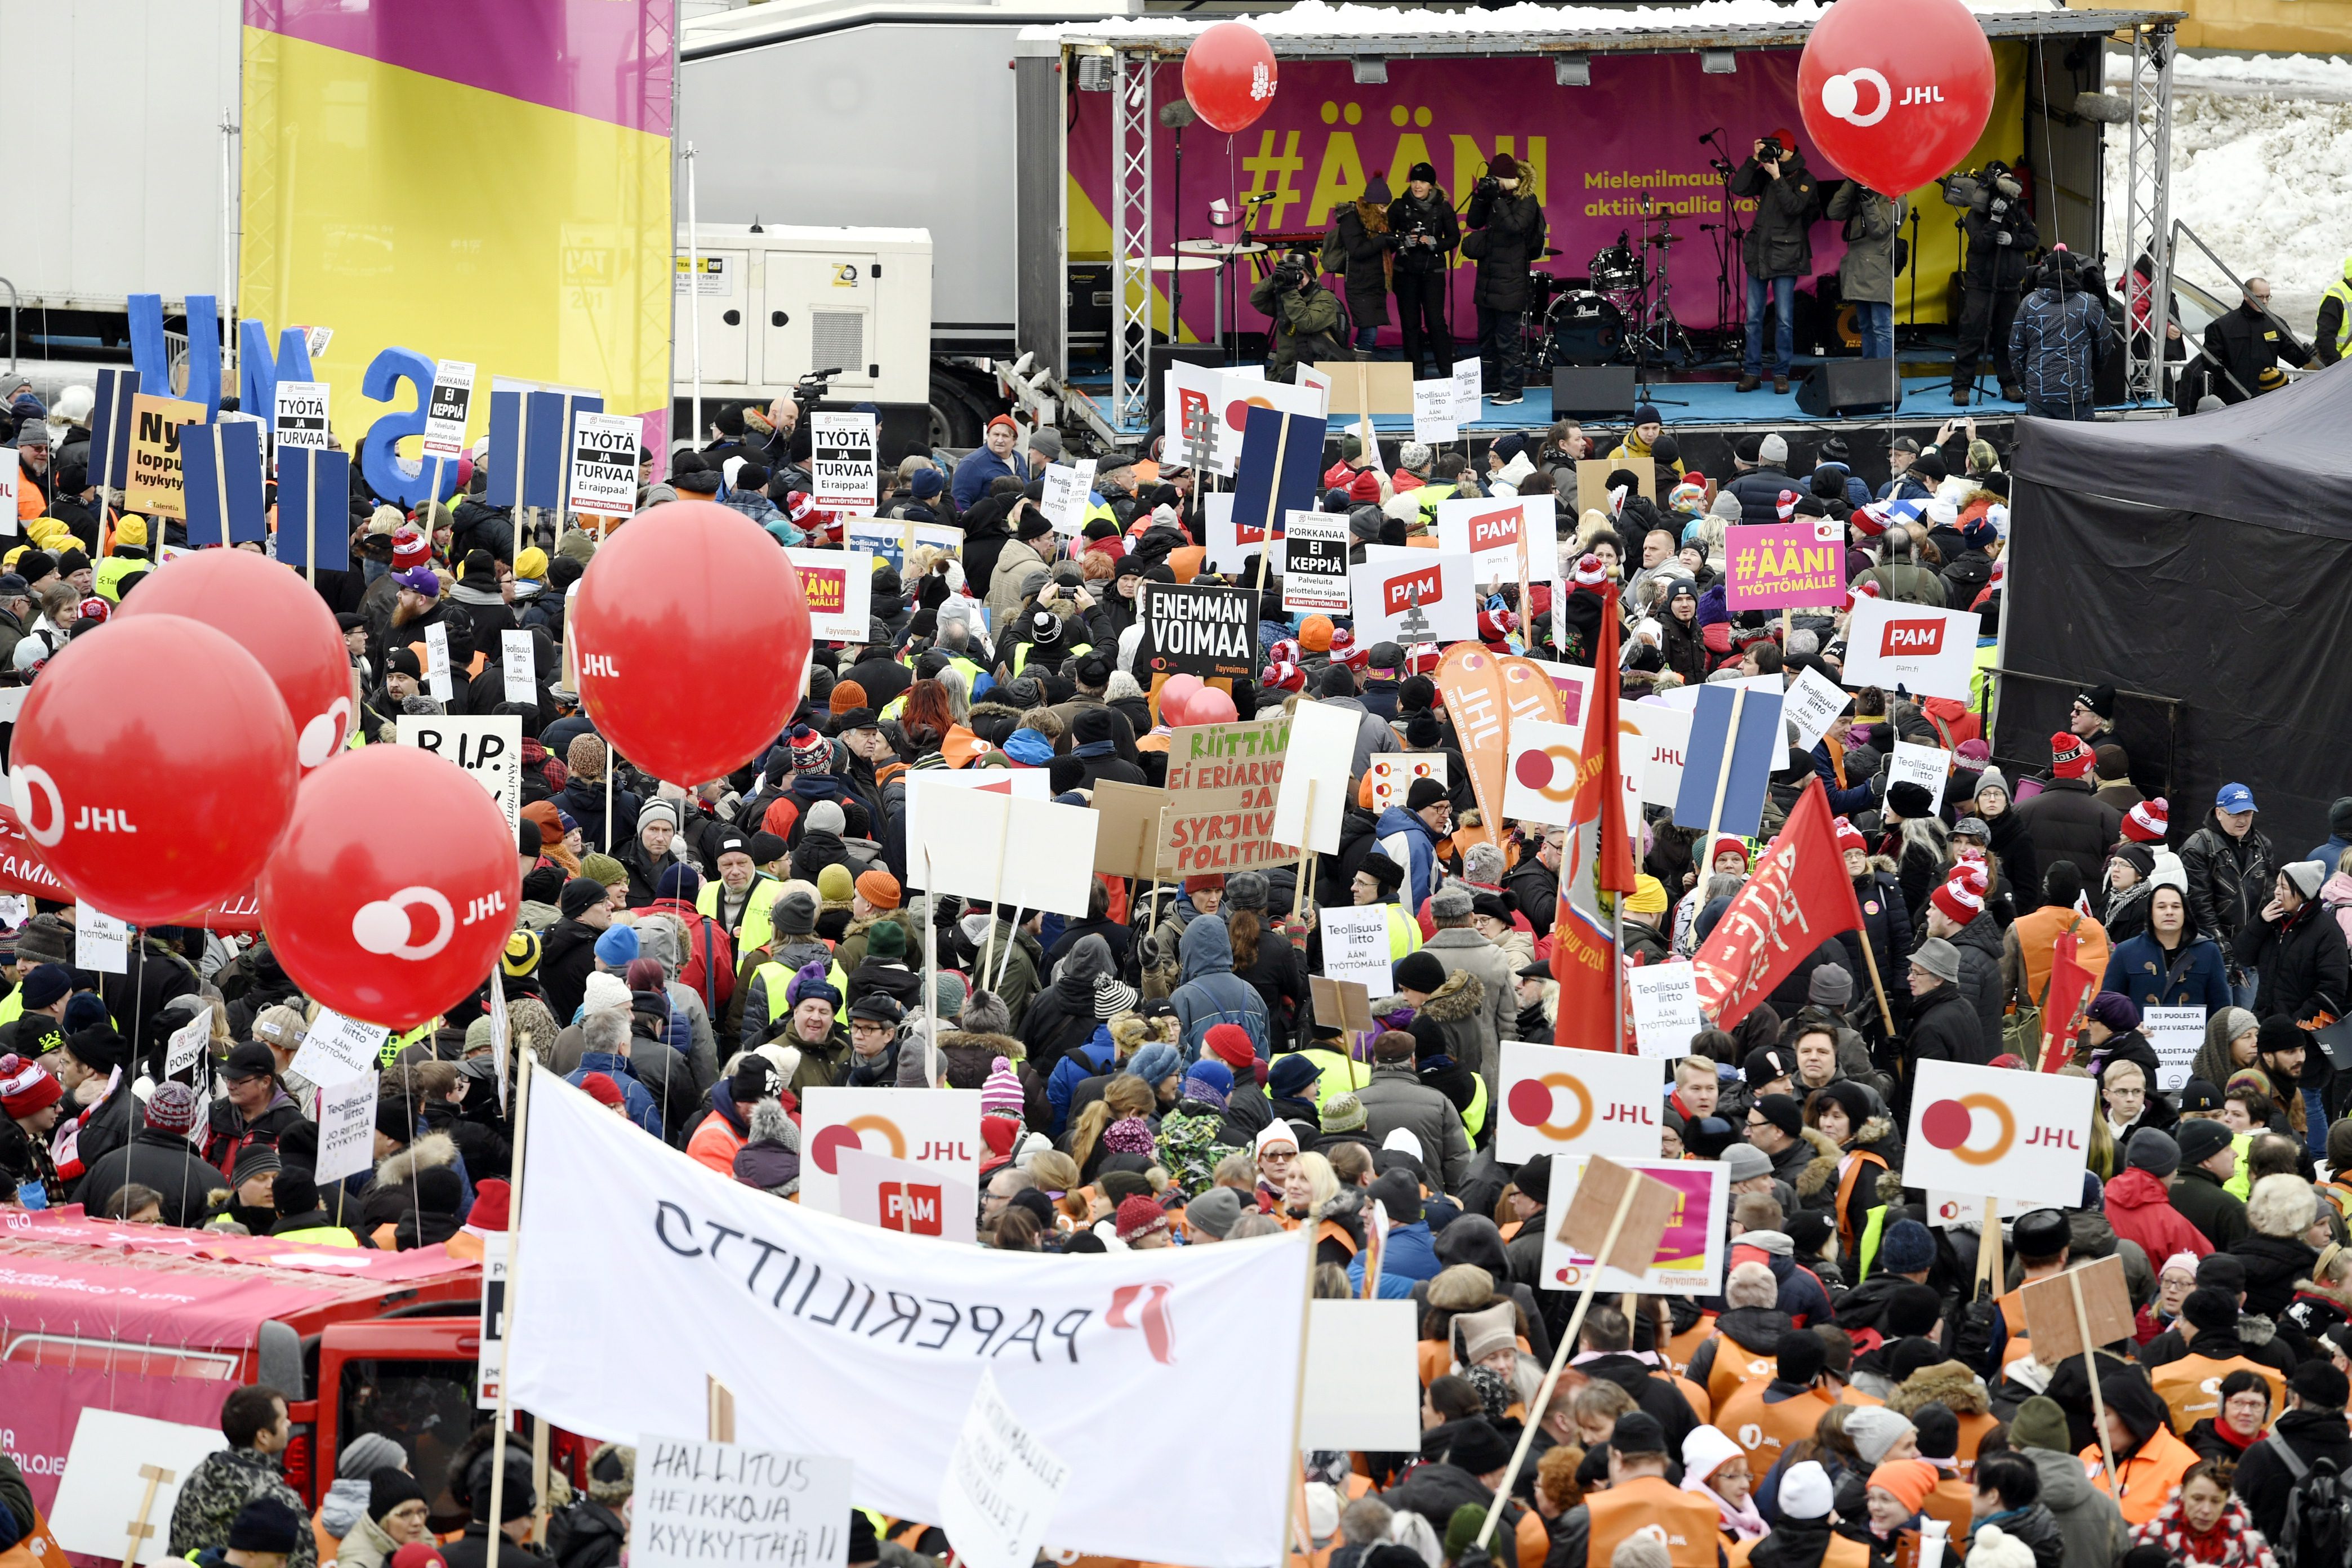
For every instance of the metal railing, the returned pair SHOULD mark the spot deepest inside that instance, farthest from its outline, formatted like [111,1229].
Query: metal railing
[1995,674]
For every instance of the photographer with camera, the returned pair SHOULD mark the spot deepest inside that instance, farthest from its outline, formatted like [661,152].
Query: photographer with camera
[1422,222]
[2001,240]
[1303,315]
[1874,255]
[1778,250]
[1506,235]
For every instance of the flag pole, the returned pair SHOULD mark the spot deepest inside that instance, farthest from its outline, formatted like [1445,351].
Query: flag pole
[506,1338]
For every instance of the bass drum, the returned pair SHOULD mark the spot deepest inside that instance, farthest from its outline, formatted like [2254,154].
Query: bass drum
[1583,328]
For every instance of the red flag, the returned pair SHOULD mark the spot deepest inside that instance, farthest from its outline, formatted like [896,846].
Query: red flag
[1797,898]
[1597,860]
[1601,769]
[2070,985]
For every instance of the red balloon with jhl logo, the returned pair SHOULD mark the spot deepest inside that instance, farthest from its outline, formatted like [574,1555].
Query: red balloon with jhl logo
[1895,92]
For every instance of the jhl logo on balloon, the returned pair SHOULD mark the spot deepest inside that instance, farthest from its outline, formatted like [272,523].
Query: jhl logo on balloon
[599,664]
[108,819]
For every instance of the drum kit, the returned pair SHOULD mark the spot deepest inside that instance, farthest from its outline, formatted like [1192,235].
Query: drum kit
[1620,312]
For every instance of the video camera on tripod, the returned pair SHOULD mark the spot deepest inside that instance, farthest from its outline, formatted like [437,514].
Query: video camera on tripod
[1988,190]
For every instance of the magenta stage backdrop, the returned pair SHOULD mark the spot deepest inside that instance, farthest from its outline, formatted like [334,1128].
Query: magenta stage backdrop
[1596,151]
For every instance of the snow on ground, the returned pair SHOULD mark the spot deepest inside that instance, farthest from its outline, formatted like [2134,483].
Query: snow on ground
[2264,180]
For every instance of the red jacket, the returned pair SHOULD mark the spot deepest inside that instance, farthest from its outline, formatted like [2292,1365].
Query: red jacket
[2140,1208]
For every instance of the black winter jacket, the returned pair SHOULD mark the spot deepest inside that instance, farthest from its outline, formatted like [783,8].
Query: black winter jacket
[1945,1027]
[2264,1479]
[1980,945]
[1514,230]
[1367,273]
[2068,822]
[2230,880]
[163,1161]
[2303,962]
[1779,240]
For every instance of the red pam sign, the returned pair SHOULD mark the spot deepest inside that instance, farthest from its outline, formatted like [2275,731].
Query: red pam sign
[1911,639]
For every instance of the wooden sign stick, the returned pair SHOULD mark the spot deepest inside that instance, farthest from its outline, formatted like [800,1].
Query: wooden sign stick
[2090,1370]
[719,1403]
[1298,892]
[138,1530]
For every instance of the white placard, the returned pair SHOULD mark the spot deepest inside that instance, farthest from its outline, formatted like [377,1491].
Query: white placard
[1363,1382]
[1314,380]
[1559,1101]
[1026,783]
[1433,423]
[1665,1007]
[1689,1259]
[1813,703]
[188,1042]
[1427,599]
[907,1197]
[939,1129]
[722,1505]
[346,1129]
[2015,1136]
[487,747]
[1467,391]
[316,339]
[1930,767]
[1322,744]
[1393,775]
[1539,772]
[8,490]
[437,684]
[996,1500]
[1490,530]
[300,416]
[102,942]
[604,449]
[1931,652]
[1069,487]
[1198,434]
[985,845]
[15,908]
[837,585]
[100,1489]
[1654,753]
[489,1356]
[446,407]
[841,460]
[338,1049]
[1949,1209]
[2178,1034]
[1355,946]
[1315,564]
[519,662]
[12,703]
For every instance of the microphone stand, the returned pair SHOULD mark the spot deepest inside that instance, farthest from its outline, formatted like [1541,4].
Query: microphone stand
[1730,304]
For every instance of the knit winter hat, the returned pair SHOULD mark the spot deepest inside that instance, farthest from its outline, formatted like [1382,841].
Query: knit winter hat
[1849,836]
[1276,1132]
[879,887]
[1993,1547]
[1113,997]
[171,1109]
[1959,897]
[985,1014]
[1001,1094]
[603,992]
[1209,1082]
[2114,1011]
[2148,822]
[1343,1113]
[1139,1217]
[617,947]
[1214,1212]
[1907,1249]
[602,869]
[1128,1135]
[27,1089]
[835,885]
[809,980]
[2069,757]
[1805,1491]
[1911,1481]
[1873,1429]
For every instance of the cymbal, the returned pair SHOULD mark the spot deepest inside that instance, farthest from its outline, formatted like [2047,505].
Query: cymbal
[1219,247]
[1662,241]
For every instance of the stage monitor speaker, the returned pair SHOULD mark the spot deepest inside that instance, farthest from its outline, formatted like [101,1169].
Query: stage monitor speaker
[1165,354]
[1592,390]
[1846,387]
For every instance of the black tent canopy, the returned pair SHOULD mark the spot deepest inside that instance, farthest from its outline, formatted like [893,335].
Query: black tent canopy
[2207,561]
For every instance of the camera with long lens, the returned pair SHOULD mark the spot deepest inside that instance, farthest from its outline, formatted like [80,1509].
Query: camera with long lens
[1989,190]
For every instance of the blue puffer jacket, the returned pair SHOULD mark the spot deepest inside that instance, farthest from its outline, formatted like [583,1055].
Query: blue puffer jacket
[2140,969]
[2059,338]
[1407,841]
[1075,1067]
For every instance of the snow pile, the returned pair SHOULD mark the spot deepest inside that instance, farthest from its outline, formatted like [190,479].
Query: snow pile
[2301,75]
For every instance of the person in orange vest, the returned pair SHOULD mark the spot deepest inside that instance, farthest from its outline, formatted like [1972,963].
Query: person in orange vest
[1468,1459]
[2149,1460]
[1745,1334]
[1765,1416]
[2190,1387]
[1958,1389]
[2229,1432]
[1639,1498]
[1805,1537]
[1718,1470]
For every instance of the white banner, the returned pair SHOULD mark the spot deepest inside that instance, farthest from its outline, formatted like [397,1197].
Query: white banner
[437,684]
[837,588]
[841,460]
[1322,743]
[1490,531]
[1540,774]
[300,414]
[2178,1034]
[865,1337]
[102,942]
[916,1199]
[188,1042]
[604,449]
[1067,486]
[346,1129]
[1434,421]
[1001,1485]
[1467,391]
[338,1049]
[1561,1100]
[1933,652]
[1689,1259]
[938,1132]
[1024,784]
[1355,946]
[1665,1007]
[1427,598]
[489,1354]
[1812,704]
[1930,767]
[1315,564]
[986,844]
[487,747]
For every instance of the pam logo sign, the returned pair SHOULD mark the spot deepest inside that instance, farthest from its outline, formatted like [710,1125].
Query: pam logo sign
[1491,529]
[1911,639]
[912,1208]
[1413,588]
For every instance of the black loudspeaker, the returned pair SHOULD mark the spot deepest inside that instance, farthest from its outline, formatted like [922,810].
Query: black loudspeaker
[1592,390]
[1164,354]
[1846,387]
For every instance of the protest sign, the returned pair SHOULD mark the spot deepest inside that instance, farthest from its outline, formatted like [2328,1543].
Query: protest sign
[902,1195]
[1393,773]
[489,748]
[519,666]
[1128,838]
[1231,545]
[314,518]
[1665,1007]
[1069,487]
[1194,629]
[1930,652]
[1785,565]
[1435,422]
[8,481]
[552,414]
[1653,749]
[447,408]
[1315,564]
[1345,1005]
[1280,466]
[490,1356]
[1813,705]
[1426,599]
[1322,748]
[2178,1034]
[938,1130]
[1948,1209]
[124,1468]
[1540,780]
[225,477]
[1492,531]
[1725,777]
[1197,433]
[1561,1101]
[1028,784]
[837,585]
[889,539]
[158,486]
[980,843]
[1363,1382]
[2017,1137]
[1930,767]
[604,450]
[1356,945]
[996,1500]
[188,1042]
[1593,483]
[110,428]
[1222,782]
[1689,1257]
[1467,403]
[299,417]
[841,460]
[102,942]
[437,684]
[346,1114]
[2094,1295]
[721,1505]
[338,1049]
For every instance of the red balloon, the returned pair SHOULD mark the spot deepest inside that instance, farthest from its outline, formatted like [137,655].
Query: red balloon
[1895,92]
[274,616]
[692,640]
[1211,705]
[153,764]
[392,916]
[1229,75]
[1175,693]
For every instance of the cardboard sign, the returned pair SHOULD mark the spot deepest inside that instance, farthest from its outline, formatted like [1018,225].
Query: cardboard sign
[1930,767]
[1652,751]
[489,748]
[519,666]
[1427,599]
[1342,1005]
[1280,468]
[1688,1258]
[1593,482]
[1355,946]
[338,1049]
[225,482]
[1364,387]
[1560,1101]
[604,449]
[1067,489]
[1761,746]
[2178,1034]
[157,485]
[1363,1380]
[105,1483]
[2054,1318]
[996,1502]
[346,1129]
[314,518]
[1812,704]
[2017,1137]
[1467,403]
[1785,565]
[1492,531]
[1221,784]
[1129,837]
[1622,1217]
[1433,420]
[841,462]
[1194,629]
[446,407]
[891,540]
[1393,775]
[1665,1007]
[938,1130]
[1539,780]
[299,418]
[1028,784]
[1932,652]
[713,1505]
[912,1199]
[985,845]
[102,942]
[1322,747]
[837,585]
[1315,564]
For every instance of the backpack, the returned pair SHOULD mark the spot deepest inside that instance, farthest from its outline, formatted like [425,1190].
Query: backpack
[2318,1513]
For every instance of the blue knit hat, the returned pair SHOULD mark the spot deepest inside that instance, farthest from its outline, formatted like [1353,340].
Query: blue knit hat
[1907,1248]
[1209,1081]
[811,982]
[84,1012]
[617,947]
[1155,1062]
[1290,1076]
[680,883]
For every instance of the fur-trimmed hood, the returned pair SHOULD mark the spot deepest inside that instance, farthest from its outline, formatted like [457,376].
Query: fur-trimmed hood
[612,1494]
[432,1151]
[984,709]
[1948,1384]
[1462,996]
[1821,1174]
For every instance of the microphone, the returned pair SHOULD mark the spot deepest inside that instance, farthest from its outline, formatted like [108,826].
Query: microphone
[1260,200]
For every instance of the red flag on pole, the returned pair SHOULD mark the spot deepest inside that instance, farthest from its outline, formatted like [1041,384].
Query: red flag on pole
[1599,793]
[1596,862]
[1797,898]
[2070,986]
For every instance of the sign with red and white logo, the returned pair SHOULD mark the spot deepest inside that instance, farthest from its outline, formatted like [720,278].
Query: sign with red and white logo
[2017,1137]
[1489,529]
[1429,597]
[936,1133]
[1559,1101]
[911,1198]
[837,585]
[1930,652]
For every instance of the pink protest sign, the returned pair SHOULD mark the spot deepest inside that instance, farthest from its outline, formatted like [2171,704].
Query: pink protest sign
[1690,1258]
[1785,565]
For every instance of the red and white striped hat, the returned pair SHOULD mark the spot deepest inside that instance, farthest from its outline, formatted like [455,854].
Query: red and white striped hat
[1283,676]
[1786,505]
[2148,822]
[1865,589]
[1960,897]
[1849,836]
[1590,572]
